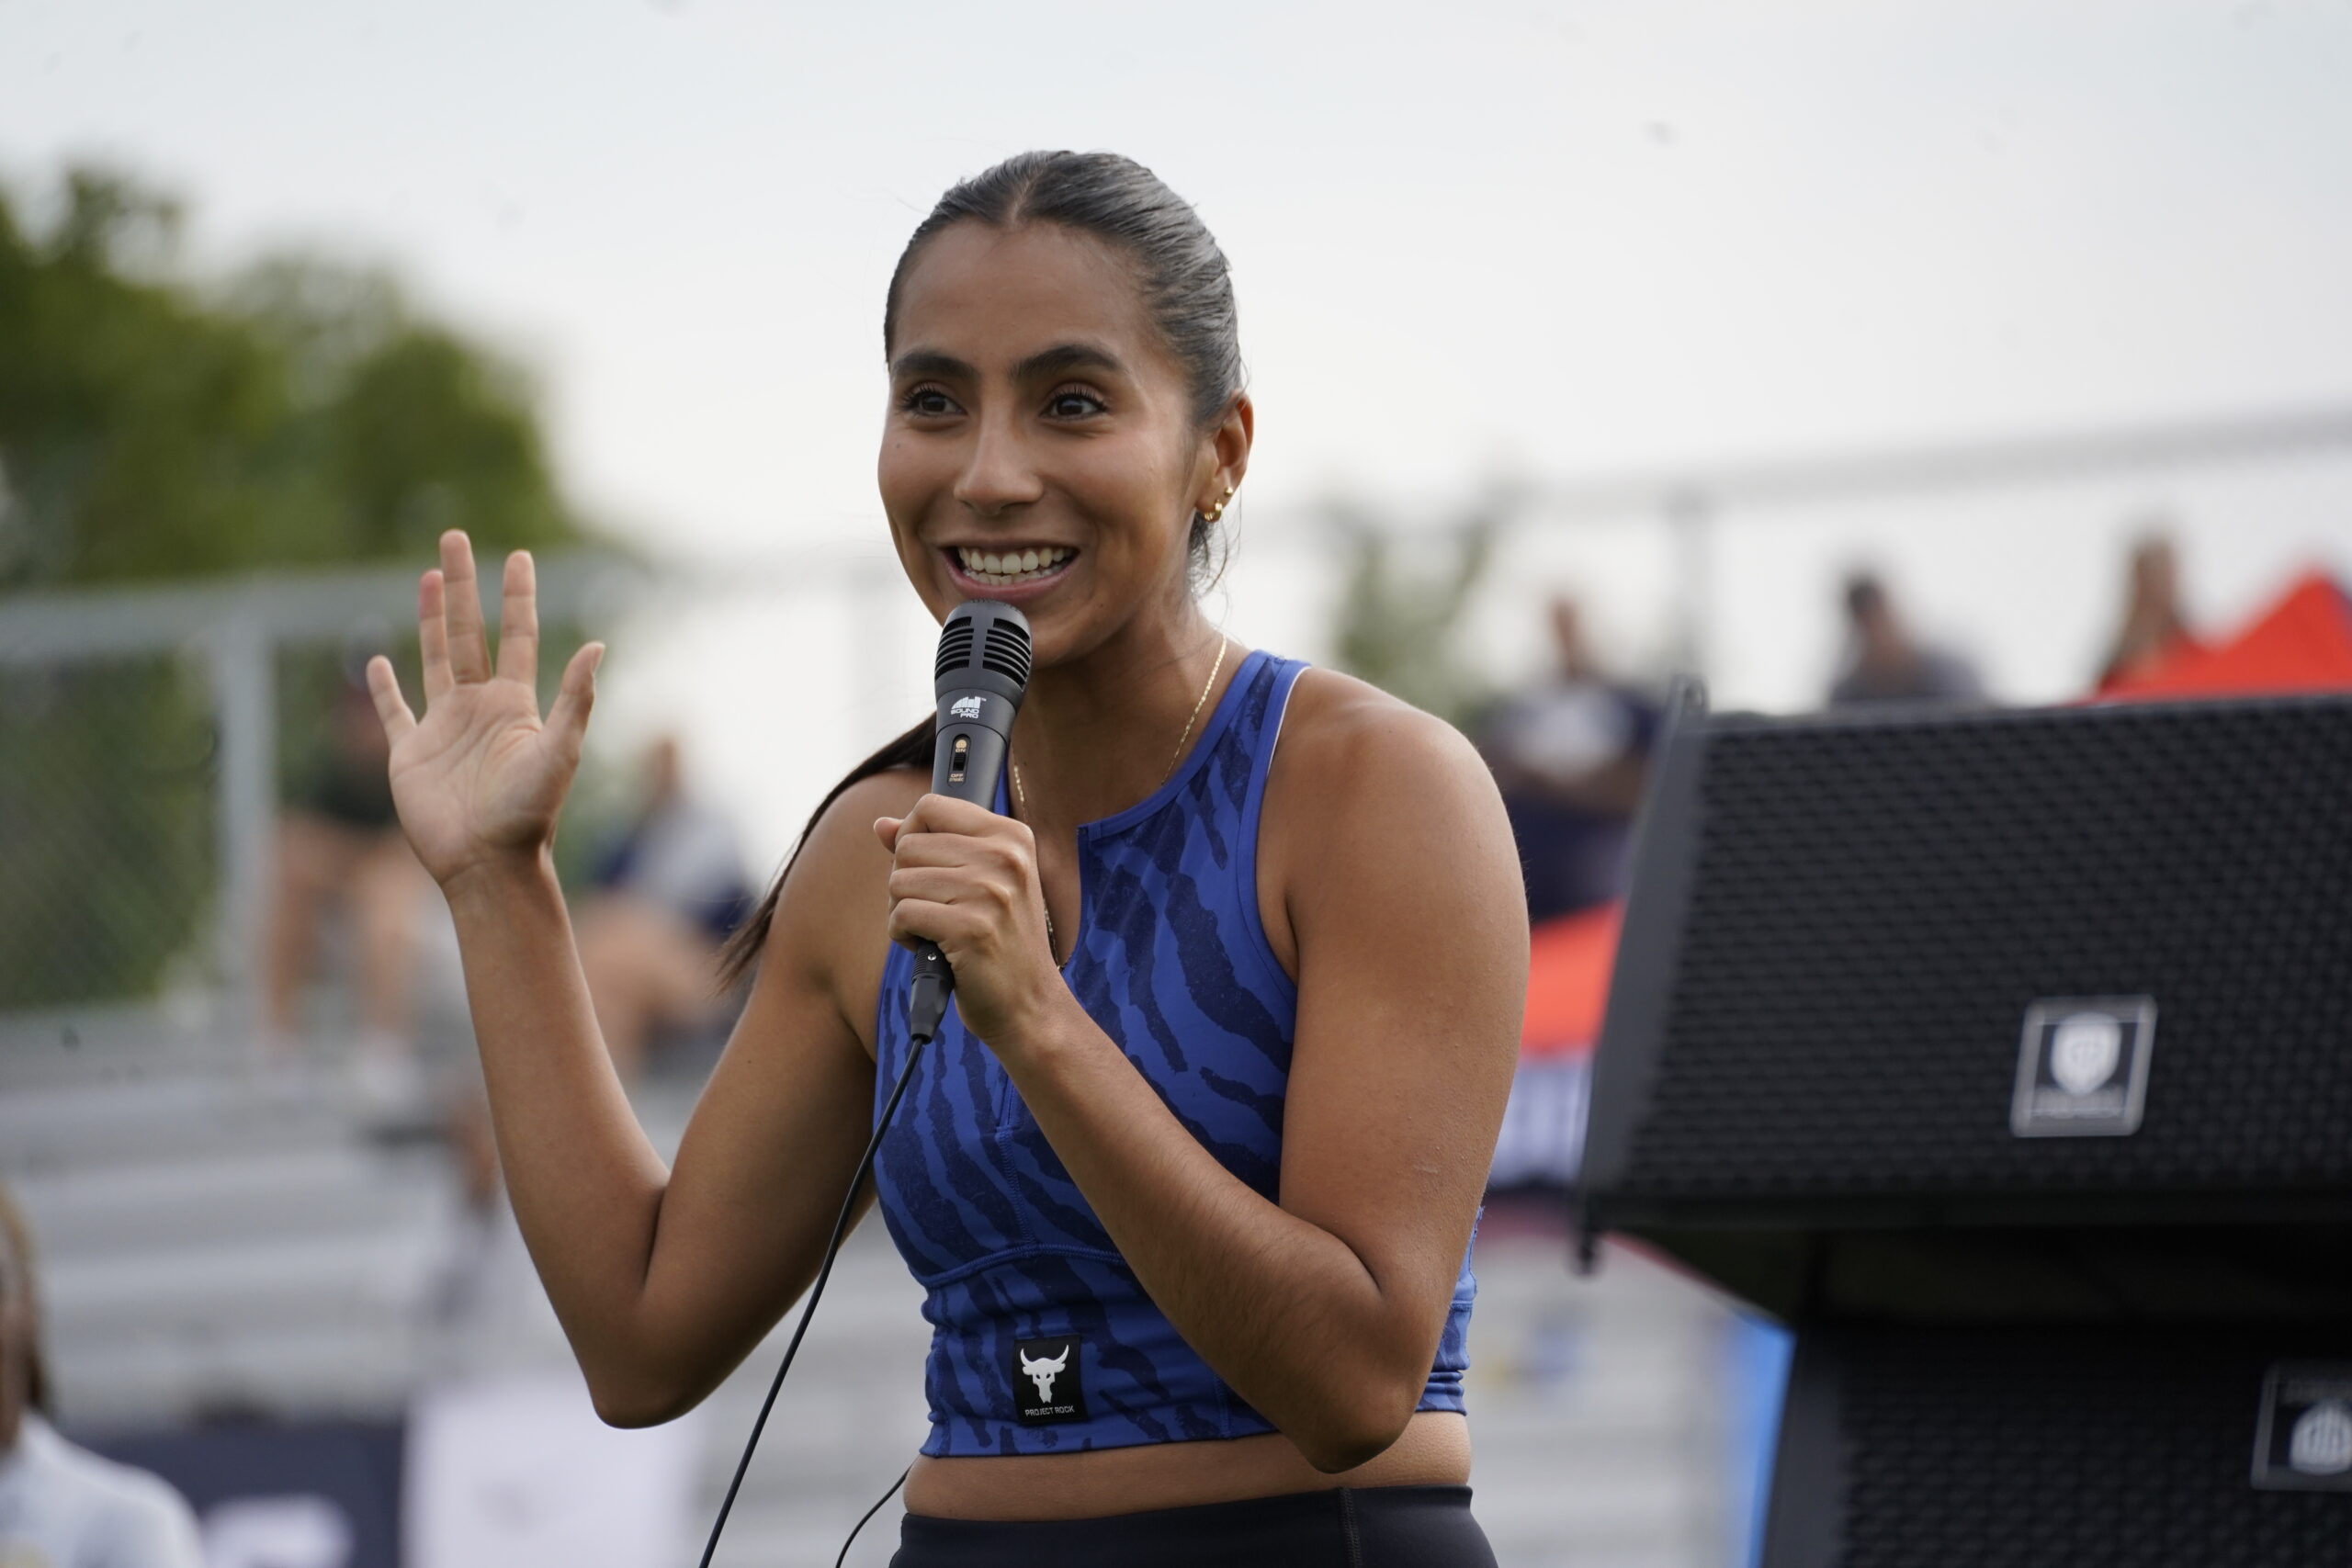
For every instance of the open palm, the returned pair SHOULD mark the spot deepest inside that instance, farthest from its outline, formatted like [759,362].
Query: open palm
[482,778]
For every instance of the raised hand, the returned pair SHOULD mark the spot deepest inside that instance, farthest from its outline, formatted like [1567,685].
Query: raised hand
[480,779]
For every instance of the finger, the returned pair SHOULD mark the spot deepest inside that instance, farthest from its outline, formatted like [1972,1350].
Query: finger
[987,839]
[469,645]
[937,885]
[919,920]
[391,708]
[945,814]
[518,620]
[886,829]
[937,849]
[432,635]
[574,698]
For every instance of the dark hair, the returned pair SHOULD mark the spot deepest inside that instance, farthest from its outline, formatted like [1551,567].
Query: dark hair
[1186,286]
[16,1274]
[1865,595]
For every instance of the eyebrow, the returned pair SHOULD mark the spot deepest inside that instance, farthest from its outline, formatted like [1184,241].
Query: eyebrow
[1053,361]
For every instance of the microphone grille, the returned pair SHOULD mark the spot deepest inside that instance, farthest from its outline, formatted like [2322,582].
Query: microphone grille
[954,649]
[1006,652]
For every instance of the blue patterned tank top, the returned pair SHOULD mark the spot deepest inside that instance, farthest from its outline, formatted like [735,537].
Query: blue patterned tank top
[1042,1339]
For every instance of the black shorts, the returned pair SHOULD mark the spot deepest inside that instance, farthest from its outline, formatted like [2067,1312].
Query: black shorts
[1377,1526]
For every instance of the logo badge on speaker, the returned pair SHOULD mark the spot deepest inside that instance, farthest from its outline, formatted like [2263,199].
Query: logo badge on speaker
[2083,1068]
[2304,1442]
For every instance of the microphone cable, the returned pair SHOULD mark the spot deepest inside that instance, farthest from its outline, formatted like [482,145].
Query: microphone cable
[980,675]
[870,1513]
[915,1043]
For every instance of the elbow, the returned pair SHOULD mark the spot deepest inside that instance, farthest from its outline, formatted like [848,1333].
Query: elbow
[1356,1432]
[1340,1453]
[634,1401]
[630,1414]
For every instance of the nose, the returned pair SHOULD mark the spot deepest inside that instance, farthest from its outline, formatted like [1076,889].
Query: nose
[998,473]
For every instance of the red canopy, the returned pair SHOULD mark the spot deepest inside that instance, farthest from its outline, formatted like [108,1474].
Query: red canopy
[2302,643]
[1568,982]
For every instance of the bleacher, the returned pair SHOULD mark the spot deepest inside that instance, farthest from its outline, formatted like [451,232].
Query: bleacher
[223,1241]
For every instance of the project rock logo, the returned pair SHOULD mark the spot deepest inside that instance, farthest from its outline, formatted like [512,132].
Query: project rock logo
[1046,1384]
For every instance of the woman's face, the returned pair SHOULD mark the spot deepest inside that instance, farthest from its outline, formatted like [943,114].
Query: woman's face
[1040,448]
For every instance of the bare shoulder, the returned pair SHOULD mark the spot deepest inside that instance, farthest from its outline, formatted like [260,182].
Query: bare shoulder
[831,919]
[1345,742]
[1370,800]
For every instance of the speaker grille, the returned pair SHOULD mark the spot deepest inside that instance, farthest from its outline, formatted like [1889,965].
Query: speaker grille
[1875,903]
[1007,652]
[2084,1448]
[954,648]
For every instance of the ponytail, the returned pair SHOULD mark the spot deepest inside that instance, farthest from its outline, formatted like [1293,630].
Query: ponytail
[912,750]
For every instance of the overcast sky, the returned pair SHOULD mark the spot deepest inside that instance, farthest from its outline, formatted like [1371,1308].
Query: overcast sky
[1554,238]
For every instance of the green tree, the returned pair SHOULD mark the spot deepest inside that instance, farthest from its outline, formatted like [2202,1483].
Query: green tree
[300,415]
[155,426]
[1401,617]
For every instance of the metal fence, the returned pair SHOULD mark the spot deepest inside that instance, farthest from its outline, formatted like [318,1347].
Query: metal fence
[147,734]
[143,740]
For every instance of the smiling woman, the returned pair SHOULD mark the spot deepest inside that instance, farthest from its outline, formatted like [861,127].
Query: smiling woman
[1191,1173]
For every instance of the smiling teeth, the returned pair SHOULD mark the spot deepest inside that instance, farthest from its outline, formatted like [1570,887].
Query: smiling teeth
[1002,569]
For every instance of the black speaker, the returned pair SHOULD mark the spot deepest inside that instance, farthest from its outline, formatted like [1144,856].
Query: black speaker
[2116,1446]
[1934,1014]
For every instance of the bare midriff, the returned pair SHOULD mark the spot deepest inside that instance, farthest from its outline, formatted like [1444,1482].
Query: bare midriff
[1433,1451]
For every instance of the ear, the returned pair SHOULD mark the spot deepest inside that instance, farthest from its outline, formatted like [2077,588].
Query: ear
[1225,452]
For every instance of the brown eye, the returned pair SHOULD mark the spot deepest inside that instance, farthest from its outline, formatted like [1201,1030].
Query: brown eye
[1074,402]
[929,402]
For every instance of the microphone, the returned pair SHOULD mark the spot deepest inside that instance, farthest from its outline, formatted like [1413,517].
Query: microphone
[979,678]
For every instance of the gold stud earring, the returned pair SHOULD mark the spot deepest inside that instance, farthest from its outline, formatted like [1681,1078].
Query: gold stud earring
[1219,512]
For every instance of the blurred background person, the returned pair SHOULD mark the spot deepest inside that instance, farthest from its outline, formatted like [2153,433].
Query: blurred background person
[1885,662]
[2153,628]
[340,855]
[62,1507]
[664,896]
[1570,756]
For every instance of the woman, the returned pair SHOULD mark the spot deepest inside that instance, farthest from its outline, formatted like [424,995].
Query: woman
[1192,1171]
[62,1506]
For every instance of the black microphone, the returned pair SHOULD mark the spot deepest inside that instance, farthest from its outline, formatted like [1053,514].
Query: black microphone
[980,676]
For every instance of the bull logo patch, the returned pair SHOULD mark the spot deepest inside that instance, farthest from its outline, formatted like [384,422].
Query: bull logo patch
[1047,1380]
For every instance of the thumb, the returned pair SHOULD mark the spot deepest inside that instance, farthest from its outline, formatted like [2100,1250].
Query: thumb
[886,829]
[568,715]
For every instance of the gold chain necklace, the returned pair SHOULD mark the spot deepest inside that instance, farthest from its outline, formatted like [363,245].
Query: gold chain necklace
[1021,796]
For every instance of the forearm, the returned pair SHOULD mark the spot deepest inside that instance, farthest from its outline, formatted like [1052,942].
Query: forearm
[585,1183]
[1284,1310]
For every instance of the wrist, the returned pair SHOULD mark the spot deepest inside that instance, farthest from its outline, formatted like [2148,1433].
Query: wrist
[497,879]
[1057,1030]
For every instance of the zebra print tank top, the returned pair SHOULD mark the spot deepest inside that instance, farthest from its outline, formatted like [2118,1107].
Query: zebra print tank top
[1042,1339]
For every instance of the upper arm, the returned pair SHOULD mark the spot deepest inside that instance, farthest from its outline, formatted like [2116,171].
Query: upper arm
[775,1136]
[1394,863]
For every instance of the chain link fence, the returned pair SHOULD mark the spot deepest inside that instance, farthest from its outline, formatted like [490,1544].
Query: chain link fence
[147,739]
[110,794]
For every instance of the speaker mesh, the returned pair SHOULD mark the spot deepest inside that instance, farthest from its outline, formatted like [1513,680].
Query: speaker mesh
[1875,903]
[2086,1449]
[954,648]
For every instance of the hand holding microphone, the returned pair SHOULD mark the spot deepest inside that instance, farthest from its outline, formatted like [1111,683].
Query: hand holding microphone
[964,891]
